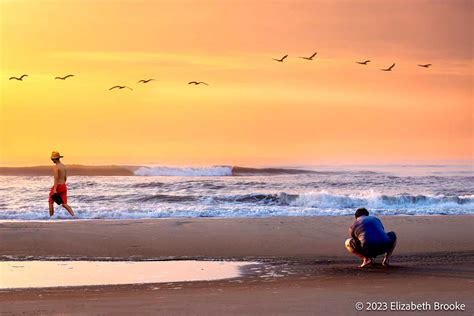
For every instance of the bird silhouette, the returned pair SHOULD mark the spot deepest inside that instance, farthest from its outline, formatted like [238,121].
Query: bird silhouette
[425,65]
[389,68]
[363,62]
[145,80]
[18,78]
[197,82]
[310,57]
[120,87]
[64,78]
[280,60]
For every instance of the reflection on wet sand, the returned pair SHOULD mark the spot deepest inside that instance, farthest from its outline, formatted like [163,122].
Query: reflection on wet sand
[34,274]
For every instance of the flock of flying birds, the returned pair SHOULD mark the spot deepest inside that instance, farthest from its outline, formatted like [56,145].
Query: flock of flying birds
[114,87]
[365,62]
[282,59]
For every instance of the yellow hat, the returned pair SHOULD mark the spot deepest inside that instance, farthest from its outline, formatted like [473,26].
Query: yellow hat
[55,155]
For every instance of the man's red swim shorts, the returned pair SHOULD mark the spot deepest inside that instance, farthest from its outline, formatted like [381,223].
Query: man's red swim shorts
[61,189]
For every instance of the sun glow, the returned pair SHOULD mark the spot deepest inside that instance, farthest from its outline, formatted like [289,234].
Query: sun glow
[255,110]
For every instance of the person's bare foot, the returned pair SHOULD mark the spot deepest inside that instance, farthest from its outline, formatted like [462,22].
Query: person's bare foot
[367,262]
[386,261]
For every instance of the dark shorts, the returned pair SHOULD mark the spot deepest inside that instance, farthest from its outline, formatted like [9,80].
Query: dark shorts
[371,251]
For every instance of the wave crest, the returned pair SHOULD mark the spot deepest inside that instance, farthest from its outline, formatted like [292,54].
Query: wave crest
[184,172]
[374,200]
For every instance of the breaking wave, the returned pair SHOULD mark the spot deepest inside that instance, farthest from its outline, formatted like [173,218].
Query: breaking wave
[326,200]
[374,200]
[183,172]
[258,205]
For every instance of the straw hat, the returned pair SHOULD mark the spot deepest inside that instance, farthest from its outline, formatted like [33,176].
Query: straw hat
[55,155]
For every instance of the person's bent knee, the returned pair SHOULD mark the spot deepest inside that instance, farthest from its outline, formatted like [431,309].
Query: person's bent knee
[348,243]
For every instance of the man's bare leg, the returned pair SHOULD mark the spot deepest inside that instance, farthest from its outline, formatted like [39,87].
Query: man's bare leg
[388,255]
[51,209]
[365,261]
[69,209]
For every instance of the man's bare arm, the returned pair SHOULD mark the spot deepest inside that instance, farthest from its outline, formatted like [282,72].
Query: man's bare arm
[352,232]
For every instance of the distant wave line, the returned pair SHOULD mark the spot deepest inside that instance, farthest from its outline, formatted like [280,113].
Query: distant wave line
[82,170]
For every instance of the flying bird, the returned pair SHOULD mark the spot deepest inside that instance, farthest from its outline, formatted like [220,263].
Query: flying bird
[280,60]
[425,65]
[310,57]
[64,78]
[389,68]
[145,80]
[363,62]
[197,82]
[18,78]
[120,87]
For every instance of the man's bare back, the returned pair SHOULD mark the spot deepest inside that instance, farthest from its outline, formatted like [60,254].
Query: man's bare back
[60,172]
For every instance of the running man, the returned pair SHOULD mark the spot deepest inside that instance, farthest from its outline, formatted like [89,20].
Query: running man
[59,186]
[369,239]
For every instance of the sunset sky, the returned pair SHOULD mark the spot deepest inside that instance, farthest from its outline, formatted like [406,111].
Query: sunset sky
[255,111]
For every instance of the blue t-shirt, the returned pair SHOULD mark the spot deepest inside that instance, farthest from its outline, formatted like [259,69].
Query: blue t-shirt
[369,231]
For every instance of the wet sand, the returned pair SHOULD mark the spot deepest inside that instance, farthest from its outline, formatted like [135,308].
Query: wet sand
[305,270]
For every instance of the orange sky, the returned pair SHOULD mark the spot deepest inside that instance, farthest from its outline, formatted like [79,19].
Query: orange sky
[255,111]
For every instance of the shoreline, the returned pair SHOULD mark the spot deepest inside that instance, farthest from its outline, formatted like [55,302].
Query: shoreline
[67,219]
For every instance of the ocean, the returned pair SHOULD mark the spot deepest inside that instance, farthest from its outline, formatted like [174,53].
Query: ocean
[224,191]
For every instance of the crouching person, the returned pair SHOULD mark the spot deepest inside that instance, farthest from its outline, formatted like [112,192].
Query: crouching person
[369,239]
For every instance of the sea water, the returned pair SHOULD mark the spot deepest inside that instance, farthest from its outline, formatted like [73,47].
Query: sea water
[166,192]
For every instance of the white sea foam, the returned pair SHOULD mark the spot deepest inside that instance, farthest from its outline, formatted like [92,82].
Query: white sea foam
[374,200]
[250,192]
[183,172]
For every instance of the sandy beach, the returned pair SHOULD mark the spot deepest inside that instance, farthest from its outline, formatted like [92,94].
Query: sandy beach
[305,269]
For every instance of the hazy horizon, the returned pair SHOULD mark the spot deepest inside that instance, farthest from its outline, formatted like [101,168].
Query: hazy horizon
[257,165]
